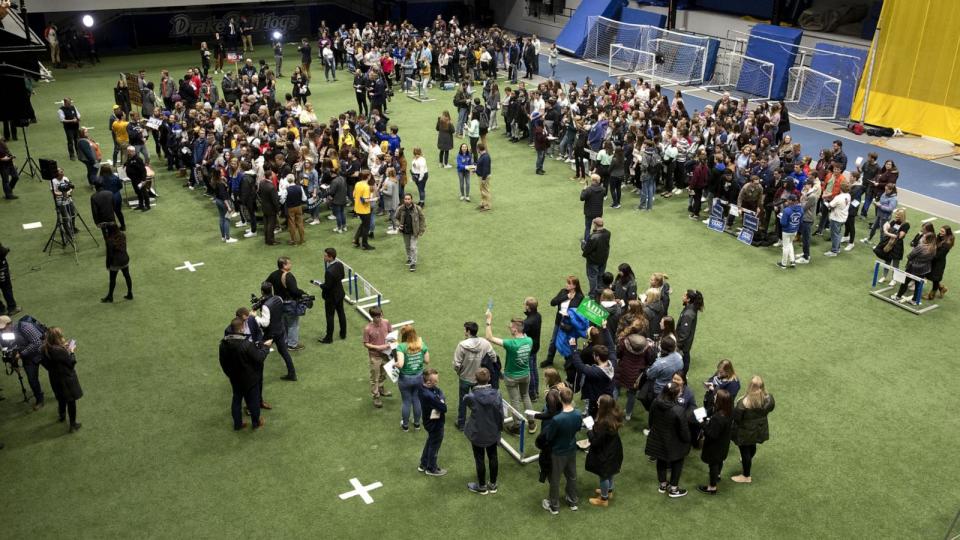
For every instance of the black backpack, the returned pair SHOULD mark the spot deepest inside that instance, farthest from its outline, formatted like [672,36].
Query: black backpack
[29,319]
[492,363]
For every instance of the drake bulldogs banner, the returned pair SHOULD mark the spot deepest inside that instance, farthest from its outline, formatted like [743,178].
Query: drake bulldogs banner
[185,25]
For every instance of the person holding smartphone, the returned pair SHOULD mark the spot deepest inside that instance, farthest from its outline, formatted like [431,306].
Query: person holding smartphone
[57,355]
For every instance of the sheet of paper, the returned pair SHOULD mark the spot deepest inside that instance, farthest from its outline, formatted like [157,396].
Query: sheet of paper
[854,203]
[530,412]
[899,276]
[859,161]
[434,414]
[392,372]
[588,422]
[734,211]
[700,414]
[34,225]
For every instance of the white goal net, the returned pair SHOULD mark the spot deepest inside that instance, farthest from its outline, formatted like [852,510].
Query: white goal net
[742,75]
[680,58]
[812,95]
[628,61]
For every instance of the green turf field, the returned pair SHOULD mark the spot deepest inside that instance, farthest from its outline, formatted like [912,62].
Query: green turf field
[862,437]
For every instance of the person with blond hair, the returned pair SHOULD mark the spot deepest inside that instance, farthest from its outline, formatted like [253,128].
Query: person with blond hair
[412,356]
[890,248]
[750,426]
[516,368]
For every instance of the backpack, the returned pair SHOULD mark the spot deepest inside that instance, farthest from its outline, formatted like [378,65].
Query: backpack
[32,321]
[492,363]
[484,119]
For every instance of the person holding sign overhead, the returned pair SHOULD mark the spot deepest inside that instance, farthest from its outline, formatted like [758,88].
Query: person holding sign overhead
[516,371]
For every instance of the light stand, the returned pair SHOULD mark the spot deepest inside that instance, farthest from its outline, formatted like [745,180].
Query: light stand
[29,164]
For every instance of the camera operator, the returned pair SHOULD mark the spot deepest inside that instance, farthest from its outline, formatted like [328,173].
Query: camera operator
[6,285]
[28,340]
[285,286]
[271,320]
[62,189]
[137,173]
[242,362]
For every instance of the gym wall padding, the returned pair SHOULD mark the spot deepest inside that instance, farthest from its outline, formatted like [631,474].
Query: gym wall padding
[639,16]
[573,37]
[916,74]
[846,68]
[713,47]
[782,56]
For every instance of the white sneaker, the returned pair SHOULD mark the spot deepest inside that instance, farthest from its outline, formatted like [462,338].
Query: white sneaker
[646,432]
[332,217]
[829,254]
[466,199]
[249,234]
[802,260]
[448,166]
[315,222]
[234,215]
[778,243]
[337,230]
[677,191]
[849,247]
[462,197]
[864,241]
[393,231]
[231,241]
[881,280]
[241,224]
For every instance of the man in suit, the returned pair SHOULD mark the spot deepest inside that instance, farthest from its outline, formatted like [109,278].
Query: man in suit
[333,294]
[270,204]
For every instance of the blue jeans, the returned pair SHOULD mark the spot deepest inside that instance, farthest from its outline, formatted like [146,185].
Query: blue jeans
[805,227]
[410,392]
[606,486]
[461,120]
[252,397]
[422,186]
[340,215]
[534,389]
[647,189]
[224,220]
[566,145]
[33,378]
[464,177]
[428,459]
[541,155]
[465,388]
[836,228]
[293,329]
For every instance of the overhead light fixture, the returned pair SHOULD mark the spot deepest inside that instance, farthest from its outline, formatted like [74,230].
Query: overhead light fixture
[87,21]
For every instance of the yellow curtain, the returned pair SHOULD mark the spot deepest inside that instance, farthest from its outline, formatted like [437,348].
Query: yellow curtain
[916,75]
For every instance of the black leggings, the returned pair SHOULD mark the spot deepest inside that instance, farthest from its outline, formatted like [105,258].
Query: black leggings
[675,467]
[906,283]
[126,277]
[68,407]
[746,457]
[715,469]
[444,157]
[491,452]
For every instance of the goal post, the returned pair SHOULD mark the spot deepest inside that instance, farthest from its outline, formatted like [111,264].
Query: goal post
[812,95]
[629,61]
[742,75]
[681,58]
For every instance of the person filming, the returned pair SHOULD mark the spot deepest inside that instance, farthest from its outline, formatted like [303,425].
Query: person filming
[28,339]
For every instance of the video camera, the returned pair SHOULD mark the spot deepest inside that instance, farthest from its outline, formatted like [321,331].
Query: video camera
[256,302]
[9,348]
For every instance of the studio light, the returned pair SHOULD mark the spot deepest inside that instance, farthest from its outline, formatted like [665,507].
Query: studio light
[277,35]
[87,21]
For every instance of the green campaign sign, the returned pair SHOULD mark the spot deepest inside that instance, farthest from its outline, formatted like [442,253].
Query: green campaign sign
[593,312]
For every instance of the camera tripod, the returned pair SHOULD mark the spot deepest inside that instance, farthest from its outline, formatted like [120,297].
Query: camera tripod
[10,369]
[65,231]
[29,165]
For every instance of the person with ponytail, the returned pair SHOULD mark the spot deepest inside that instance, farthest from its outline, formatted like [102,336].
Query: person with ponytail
[687,325]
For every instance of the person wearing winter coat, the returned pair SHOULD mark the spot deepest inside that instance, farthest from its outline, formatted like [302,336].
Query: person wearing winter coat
[483,429]
[57,356]
[669,439]
[725,378]
[665,366]
[635,353]
[598,378]
[466,363]
[716,439]
[750,426]
[919,262]
[687,325]
[606,449]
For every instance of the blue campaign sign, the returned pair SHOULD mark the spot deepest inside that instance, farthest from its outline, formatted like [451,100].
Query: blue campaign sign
[746,236]
[716,210]
[750,221]
[715,224]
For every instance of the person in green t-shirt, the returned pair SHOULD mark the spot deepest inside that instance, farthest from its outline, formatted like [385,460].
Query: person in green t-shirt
[412,357]
[516,370]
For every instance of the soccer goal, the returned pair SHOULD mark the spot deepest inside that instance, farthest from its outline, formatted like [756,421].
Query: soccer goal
[628,61]
[742,75]
[677,62]
[679,58]
[812,95]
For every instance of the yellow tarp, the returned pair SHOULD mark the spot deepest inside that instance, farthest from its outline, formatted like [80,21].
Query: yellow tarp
[916,75]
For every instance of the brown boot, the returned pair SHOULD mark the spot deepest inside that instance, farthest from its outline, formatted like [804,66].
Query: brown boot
[931,295]
[943,291]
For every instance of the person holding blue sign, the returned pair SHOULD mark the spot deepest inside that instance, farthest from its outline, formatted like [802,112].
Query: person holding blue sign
[790,219]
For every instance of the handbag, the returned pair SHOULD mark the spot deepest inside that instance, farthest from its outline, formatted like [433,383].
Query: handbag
[888,247]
